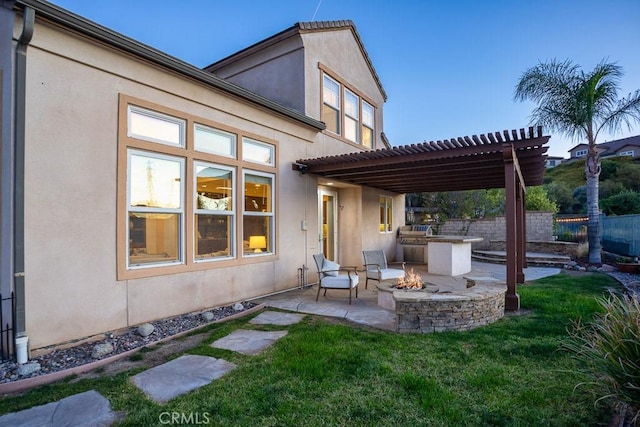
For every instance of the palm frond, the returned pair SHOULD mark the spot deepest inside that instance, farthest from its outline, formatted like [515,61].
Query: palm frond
[576,103]
[626,111]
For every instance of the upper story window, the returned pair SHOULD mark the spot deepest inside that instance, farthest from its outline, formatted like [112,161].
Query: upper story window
[331,104]
[581,153]
[367,124]
[351,116]
[626,153]
[347,113]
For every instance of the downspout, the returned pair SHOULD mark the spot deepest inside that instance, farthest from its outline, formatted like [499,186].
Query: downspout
[28,20]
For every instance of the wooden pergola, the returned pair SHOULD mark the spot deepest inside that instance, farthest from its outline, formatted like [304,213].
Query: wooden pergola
[510,160]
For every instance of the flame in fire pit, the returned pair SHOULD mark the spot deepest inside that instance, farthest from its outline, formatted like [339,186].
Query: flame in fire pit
[411,280]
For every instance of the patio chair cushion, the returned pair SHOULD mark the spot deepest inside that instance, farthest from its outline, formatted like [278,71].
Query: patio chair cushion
[330,268]
[340,282]
[385,274]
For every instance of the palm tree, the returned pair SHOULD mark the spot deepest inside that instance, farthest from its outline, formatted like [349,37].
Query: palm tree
[580,105]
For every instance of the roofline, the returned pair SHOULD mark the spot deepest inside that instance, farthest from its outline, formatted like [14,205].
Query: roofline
[300,28]
[607,144]
[94,30]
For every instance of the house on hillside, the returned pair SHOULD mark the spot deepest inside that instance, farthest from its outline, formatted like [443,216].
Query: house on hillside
[553,161]
[143,187]
[620,147]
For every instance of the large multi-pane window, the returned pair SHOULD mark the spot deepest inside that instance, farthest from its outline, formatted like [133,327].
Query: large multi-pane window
[347,113]
[193,194]
[386,209]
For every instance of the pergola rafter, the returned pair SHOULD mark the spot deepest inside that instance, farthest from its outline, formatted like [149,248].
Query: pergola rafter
[510,160]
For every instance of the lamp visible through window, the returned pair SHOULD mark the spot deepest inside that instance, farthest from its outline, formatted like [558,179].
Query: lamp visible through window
[257,243]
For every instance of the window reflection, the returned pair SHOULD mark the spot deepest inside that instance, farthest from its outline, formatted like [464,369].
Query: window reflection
[153,238]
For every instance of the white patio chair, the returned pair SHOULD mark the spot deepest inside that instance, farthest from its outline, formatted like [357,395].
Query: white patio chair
[329,276]
[377,268]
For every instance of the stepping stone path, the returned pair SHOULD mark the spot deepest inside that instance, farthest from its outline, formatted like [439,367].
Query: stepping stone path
[179,376]
[276,318]
[248,341]
[88,409]
[161,383]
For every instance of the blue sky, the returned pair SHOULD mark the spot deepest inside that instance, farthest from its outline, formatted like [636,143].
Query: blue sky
[449,67]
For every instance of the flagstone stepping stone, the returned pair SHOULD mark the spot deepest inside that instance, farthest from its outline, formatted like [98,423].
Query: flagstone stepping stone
[88,409]
[179,376]
[276,318]
[248,342]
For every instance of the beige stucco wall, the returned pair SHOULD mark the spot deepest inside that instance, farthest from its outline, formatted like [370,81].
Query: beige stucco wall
[339,51]
[71,190]
[271,71]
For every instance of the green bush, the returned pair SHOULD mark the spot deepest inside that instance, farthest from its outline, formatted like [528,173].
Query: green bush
[625,203]
[608,348]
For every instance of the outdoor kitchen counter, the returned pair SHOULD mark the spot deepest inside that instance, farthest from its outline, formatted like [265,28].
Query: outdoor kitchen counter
[450,255]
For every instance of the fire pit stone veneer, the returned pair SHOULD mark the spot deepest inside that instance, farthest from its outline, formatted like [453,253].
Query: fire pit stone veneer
[426,311]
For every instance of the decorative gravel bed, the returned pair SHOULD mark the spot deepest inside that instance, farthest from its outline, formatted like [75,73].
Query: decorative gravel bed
[630,281]
[66,358]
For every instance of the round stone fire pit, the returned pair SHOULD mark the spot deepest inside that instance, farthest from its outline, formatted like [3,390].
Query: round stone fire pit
[437,310]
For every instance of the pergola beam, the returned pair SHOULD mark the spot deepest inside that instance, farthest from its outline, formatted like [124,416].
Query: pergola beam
[510,160]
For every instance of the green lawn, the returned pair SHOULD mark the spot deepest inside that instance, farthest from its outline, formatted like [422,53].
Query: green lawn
[326,373]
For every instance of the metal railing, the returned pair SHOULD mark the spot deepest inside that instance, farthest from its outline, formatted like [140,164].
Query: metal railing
[571,228]
[7,331]
[620,234]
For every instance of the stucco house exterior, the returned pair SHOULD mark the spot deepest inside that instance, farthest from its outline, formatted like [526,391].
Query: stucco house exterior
[136,186]
[553,161]
[620,147]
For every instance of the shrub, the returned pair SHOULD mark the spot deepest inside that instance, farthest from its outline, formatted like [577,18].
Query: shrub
[608,347]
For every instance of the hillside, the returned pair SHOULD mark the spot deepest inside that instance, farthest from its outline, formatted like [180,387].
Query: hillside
[619,179]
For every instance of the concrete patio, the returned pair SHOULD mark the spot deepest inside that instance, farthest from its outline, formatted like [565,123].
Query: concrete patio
[364,310]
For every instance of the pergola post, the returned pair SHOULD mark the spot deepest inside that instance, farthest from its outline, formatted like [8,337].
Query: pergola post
[514,213]
[521,225]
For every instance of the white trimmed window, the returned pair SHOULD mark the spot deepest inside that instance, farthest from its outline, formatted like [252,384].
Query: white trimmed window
[258,216]
[155,127]
[331,104]
[214,216]
[386,210]
[214,141]
[367,124]
[154,208]
[581,153]
[346,113]
[190,200]
[258,152]
[626,153]
[351,116]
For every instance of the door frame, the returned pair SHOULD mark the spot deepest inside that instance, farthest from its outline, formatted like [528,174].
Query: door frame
[331,221]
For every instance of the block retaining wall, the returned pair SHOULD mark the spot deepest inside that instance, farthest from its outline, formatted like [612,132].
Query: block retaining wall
[569,249]
[539,226]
